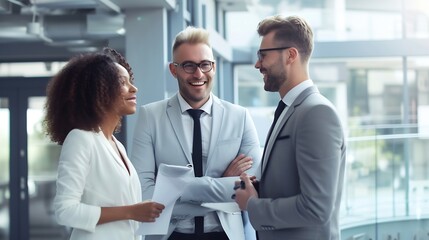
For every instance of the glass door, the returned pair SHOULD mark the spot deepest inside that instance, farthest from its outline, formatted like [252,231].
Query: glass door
[28,164]
[42,160]
[4,167]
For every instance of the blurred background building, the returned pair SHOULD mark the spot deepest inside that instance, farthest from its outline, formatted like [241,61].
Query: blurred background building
[371,60]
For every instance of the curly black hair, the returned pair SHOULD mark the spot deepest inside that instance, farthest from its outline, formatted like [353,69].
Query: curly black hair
[82,93]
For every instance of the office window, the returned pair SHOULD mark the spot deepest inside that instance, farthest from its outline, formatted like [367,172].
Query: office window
[332,20]
[417,18]
[33,69]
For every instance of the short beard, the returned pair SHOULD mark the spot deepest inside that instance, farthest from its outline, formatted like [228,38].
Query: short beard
[274,82]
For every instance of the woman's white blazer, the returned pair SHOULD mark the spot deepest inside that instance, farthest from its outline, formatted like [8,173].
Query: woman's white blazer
[91,175]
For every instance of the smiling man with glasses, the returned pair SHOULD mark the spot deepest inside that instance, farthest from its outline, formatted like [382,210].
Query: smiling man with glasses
[225,145]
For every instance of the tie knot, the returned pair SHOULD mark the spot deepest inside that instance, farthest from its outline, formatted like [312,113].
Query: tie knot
[279,109]
[195,113]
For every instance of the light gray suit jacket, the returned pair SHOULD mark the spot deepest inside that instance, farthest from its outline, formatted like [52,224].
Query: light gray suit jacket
[159,138]
[302,173]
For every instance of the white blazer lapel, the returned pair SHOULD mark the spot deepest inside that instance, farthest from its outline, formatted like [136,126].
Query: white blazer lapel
[124,155]
[112,151]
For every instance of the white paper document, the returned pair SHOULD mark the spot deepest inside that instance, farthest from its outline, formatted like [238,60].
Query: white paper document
[168,188]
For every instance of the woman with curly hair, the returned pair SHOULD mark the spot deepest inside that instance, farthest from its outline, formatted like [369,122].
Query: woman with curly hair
[98,190]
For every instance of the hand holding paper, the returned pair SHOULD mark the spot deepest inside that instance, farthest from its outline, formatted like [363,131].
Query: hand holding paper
[168,188]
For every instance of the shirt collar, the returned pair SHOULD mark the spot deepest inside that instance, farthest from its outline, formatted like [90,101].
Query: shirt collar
[294,92]
[207,107]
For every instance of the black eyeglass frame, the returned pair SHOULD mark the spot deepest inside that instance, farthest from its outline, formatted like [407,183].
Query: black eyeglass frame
[258,53]
[196,65]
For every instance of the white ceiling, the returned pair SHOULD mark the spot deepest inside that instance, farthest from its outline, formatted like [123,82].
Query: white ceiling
[55,29]
[31,30]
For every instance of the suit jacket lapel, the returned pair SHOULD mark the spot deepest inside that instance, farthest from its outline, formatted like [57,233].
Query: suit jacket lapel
[174,114]
[111,150]
[282,121]
[217,121]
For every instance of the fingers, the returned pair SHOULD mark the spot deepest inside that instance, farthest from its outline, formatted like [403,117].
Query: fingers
[159,206]
[237,184]
[241,184]
[150,211]
[241,160]
[245,164]
[244,190]
[238,158]
[156,213]
[244,161]
[239,165]
[243,176]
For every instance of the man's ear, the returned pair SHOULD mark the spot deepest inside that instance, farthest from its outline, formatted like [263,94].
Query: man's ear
[173,70]
[214,67]
[293,55]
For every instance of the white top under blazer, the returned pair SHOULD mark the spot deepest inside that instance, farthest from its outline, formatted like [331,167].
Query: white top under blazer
[91,175]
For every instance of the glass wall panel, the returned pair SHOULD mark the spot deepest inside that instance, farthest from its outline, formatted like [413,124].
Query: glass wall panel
[43,158]
[251,94]
[417,18]
[418,72]
[370,24]
[33,69]
[4,168]
[338,20]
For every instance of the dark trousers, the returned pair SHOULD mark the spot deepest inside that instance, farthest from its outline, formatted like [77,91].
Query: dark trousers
[204,236]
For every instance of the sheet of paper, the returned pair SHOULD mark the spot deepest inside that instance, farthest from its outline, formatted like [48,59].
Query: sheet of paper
[229,207]
[168,188]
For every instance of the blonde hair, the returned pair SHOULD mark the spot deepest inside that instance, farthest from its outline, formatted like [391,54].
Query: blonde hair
[192,35]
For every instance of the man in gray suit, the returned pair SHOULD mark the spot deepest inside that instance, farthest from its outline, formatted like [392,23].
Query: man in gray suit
[164,134]
[302,169]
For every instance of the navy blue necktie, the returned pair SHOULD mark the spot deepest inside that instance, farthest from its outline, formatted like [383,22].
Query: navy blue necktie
[280,107]
[197,151]
[197,160]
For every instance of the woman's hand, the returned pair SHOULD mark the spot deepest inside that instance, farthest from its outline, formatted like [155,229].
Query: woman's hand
[146,211]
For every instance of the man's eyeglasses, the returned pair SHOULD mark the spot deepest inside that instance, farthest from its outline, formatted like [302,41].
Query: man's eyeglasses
[261,55]
[191,67]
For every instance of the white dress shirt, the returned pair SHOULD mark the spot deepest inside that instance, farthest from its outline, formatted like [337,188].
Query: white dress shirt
[211,221]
